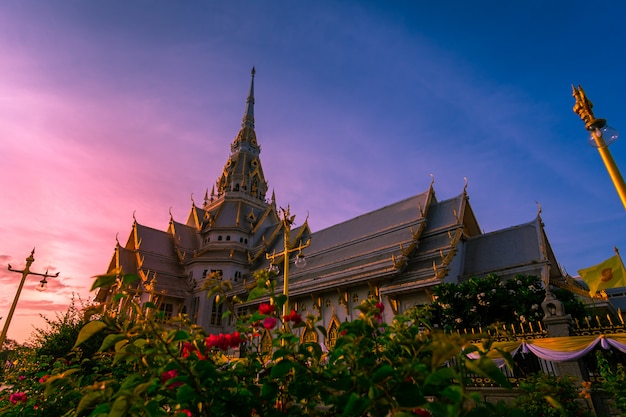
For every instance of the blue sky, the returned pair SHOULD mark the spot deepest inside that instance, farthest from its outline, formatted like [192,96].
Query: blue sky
[114,107]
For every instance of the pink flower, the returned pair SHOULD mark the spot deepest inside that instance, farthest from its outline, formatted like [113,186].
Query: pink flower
[269,323]
[293,316]
[184,412]
[22,377]
[43,379]
[267,308]
[17,397]
[378,315]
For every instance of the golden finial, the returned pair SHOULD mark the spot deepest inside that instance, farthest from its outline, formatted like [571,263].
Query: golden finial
[583,107]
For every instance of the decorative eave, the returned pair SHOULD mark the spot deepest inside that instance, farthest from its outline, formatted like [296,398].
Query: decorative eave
[400,261]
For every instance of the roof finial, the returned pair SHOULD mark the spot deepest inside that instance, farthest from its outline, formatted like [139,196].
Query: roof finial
[248,116]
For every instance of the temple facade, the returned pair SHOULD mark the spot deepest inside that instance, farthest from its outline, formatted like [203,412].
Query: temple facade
[395,254]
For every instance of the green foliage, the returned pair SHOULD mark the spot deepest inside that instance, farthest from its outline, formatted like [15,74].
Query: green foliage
[36,369]
[549,396]
[143,367]
[482,302]
[614,379]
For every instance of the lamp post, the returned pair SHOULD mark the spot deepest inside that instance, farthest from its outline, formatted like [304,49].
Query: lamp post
[602,135]
[300,261]
[41,287]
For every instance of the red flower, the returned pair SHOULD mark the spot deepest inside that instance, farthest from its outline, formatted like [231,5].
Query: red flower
[293,316]
[43,379]
[167,375]
[224,341]
[189,348]
[211,341]
[378,315]
[269,323]
[17,397]
[422,412]
[184,412]
[267,308]
[343,332]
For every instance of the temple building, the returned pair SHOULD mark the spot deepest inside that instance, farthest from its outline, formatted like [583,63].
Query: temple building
[395,254]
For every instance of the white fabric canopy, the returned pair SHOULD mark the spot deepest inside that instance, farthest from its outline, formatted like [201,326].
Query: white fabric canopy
[557,349]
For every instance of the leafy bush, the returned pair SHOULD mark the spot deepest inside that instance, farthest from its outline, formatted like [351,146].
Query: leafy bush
[614,379]
[144,367]
[482,302]
[549,396]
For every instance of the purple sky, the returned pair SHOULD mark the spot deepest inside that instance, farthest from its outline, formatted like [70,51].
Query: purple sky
[114,107]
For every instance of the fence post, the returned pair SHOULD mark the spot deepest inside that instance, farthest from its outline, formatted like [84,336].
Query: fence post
[559,324]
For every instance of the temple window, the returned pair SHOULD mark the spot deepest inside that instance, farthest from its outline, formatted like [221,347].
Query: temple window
[166,309]
[216,313]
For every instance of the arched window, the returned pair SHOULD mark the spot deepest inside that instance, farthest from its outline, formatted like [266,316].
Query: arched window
[332,333]
[266,344]
[216,313]
[309,335]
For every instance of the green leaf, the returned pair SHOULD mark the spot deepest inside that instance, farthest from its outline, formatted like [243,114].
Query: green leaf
[356,405]
[103,281]
[130,278]
[256,292]
[87,400]
[486,367]
[142,388]
[120,406]
[89,330]
[185,394]
[181,335]
[440,376]
[383,372]
[269,390]
[110,341]
[281,369]
[409,395]
[119,296]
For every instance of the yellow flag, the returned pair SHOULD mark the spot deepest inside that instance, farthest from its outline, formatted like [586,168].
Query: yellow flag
[607,274]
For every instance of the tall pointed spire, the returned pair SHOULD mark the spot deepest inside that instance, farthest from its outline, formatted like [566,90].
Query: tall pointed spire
[242,172]
[248,116]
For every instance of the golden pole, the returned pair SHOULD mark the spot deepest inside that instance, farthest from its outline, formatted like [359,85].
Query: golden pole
[582,108]
[25,272]
[286,267]
[611,167]
[288,221]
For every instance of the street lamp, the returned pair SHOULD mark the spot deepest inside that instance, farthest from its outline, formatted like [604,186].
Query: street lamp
[602,135]
[41,287]
[300,261]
